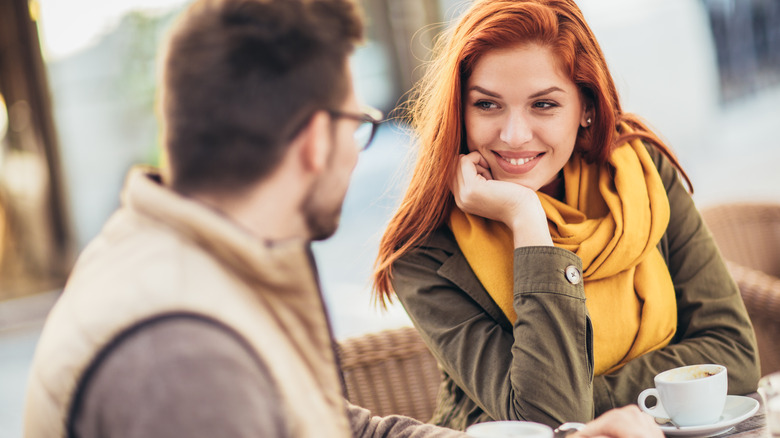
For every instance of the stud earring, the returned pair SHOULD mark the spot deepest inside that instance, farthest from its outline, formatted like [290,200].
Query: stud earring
[588,121]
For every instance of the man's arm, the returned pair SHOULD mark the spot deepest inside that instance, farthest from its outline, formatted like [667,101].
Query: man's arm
[364,425]
[181,376]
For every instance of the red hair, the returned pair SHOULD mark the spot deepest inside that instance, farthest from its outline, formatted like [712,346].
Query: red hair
[436,109]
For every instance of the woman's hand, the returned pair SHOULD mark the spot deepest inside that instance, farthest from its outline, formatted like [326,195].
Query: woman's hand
[518,207]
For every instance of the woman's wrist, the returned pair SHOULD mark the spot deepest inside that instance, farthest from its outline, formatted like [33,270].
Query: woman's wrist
[530,229]
[526,236]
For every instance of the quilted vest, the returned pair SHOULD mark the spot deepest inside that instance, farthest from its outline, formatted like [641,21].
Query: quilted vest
[162,253]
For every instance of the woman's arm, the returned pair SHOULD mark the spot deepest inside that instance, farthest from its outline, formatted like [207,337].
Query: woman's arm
[540,368]
[712,324]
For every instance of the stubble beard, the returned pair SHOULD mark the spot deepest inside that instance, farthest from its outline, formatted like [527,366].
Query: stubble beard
[322,221]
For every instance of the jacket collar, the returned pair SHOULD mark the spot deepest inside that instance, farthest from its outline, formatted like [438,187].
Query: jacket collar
[457,270]
[277,265]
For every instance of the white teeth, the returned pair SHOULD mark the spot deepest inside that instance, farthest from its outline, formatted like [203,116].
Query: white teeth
[517,161]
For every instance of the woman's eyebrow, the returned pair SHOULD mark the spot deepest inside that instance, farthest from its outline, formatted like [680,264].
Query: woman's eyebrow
[545,91]
[533,96]
[484,91]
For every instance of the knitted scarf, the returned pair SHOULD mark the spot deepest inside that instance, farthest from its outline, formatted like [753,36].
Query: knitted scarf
[613,217]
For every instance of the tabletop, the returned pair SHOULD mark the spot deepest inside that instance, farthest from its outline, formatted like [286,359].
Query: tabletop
[753,427]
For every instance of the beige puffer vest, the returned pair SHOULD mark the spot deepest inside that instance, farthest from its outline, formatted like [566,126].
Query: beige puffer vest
[162,253]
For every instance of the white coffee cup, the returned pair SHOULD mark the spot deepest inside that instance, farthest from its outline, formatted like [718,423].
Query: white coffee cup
[509,429]
[694,395]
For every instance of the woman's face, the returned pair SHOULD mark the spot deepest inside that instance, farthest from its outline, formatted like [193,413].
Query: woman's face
[522,114]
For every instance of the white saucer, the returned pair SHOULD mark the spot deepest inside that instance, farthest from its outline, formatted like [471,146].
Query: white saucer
[737,410]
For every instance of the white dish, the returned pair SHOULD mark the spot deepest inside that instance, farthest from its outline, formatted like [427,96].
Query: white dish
[737,410]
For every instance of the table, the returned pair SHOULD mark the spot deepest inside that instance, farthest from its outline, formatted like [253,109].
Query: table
[754,427]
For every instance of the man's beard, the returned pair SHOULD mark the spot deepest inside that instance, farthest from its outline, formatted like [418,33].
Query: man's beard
[322,221]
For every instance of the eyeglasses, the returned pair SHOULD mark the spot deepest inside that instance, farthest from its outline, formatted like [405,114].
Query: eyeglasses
[369,120]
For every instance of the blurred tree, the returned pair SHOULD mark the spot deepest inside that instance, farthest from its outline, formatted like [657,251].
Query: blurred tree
[36,243]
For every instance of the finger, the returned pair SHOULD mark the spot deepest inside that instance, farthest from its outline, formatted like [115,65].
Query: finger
[476,158]
[482,161]
[467,167]
[484,173]
[480,164]
[469,177]
[463,165]
[458,182]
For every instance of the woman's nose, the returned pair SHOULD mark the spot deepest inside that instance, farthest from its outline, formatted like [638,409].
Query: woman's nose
[516,130]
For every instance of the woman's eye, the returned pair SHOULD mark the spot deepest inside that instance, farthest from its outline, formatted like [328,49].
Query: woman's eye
[484,105]
[545,104]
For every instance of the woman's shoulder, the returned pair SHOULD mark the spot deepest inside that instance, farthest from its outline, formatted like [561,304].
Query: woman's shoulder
[656,154]
[437,251]
[421,267]
[441,241]
[665,168]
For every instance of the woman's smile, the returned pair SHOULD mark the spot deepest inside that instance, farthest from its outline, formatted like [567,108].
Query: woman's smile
[517,162]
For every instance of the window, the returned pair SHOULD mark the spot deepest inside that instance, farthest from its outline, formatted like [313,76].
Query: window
[747,42]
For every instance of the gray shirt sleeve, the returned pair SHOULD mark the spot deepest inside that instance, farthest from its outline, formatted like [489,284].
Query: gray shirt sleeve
[180,376]
[188,376]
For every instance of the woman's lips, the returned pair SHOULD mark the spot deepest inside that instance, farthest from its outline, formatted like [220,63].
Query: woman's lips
[518,163]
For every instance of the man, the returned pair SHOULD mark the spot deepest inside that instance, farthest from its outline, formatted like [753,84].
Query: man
[196,312]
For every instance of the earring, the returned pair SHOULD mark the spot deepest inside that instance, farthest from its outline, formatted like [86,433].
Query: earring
[588,121]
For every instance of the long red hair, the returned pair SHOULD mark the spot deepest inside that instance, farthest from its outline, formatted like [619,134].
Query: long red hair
[435,110]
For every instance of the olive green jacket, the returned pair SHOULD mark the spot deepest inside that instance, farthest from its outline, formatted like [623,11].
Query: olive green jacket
[541,367]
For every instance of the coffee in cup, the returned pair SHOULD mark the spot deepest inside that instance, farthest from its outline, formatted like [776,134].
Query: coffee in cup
[509,429]
[693,395]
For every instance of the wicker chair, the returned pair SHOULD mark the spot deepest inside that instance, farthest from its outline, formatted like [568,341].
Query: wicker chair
[761,294]
[390,372]
[748,236]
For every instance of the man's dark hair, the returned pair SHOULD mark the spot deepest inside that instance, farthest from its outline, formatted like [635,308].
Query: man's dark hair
[242,77]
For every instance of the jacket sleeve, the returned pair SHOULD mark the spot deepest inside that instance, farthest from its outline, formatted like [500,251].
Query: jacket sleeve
[538,369]
[209,384]
[712,323]
[364,425]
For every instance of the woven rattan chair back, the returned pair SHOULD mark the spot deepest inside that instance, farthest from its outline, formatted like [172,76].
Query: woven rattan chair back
[390,372]
[747,234]
[761,294]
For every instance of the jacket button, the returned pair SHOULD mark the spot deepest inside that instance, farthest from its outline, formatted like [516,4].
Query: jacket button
[573,274]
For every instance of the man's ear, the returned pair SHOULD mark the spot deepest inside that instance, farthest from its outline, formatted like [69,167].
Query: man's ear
[314,142]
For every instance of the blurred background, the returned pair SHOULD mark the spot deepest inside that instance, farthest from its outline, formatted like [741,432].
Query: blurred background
[77,110]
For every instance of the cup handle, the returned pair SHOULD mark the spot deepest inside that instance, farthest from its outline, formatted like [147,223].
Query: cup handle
[658,411]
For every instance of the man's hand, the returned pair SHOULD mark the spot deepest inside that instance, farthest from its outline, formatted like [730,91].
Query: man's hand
[625,422]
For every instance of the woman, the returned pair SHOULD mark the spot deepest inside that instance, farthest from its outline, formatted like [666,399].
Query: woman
[546,249]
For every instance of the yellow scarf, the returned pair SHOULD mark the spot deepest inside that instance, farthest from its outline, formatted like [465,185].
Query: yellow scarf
[613,218]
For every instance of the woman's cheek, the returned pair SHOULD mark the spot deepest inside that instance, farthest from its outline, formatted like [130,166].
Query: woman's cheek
[475,138]
[471,142]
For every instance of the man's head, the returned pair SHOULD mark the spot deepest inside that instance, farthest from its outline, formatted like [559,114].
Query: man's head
[242,78]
